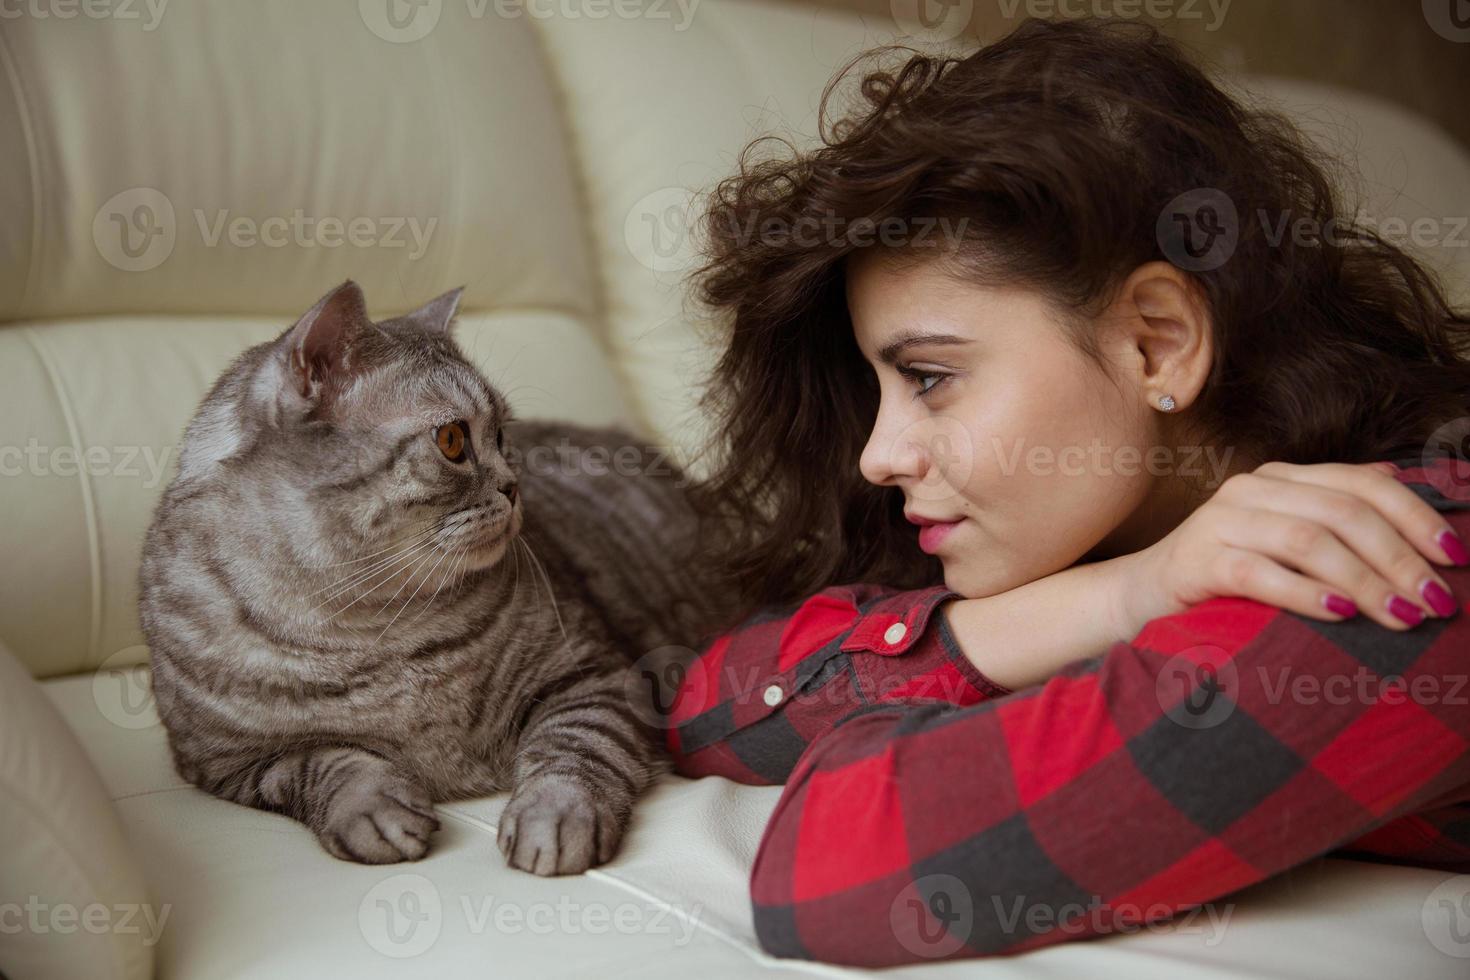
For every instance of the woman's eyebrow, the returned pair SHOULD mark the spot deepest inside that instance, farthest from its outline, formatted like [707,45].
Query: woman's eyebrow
[893,348]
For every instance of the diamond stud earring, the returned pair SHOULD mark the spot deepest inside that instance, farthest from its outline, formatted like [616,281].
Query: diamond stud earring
[1167,403]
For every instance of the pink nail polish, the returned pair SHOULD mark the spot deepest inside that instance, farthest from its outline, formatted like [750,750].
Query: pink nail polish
[1341,605]
[1405,610]
[1454,547]
[1439,600]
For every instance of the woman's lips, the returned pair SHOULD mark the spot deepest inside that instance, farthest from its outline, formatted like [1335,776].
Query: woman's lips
[932,535]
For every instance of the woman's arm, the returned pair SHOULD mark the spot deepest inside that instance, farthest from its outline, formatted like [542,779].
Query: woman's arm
[755,698]
[1223,745]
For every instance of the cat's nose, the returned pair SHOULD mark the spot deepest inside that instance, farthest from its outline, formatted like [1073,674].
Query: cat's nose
[511,491]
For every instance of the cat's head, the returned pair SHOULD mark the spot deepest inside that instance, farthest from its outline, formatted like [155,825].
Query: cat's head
[345,439]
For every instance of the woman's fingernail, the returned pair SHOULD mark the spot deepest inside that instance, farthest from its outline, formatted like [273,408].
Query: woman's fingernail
[1386,467]
[1405,610]
[1454,547]
[1439,600]
[1341,605]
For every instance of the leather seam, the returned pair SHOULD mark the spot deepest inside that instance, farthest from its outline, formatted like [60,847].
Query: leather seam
[89,505]
[27,127]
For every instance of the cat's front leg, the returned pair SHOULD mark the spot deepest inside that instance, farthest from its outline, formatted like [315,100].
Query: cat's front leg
[359,805]
[582,760]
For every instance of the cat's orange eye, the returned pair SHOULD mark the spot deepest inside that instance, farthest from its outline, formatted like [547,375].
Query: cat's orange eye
[451,440]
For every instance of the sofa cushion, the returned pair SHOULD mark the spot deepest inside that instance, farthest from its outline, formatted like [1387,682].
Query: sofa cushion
[251,894]
[224,157]
[73,902]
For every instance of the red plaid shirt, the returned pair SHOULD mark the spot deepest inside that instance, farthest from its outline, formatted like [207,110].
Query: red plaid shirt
[929,813]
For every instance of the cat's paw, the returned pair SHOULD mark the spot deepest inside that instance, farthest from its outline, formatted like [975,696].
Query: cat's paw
[558,827]
[379,821]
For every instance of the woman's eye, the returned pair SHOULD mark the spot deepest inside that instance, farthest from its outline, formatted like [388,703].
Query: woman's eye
[453,438]
[926,381]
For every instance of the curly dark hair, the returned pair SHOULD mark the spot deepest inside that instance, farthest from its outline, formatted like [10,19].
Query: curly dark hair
[1056,150]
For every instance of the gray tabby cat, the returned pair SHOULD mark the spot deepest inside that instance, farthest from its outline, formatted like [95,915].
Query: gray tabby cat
[342,627]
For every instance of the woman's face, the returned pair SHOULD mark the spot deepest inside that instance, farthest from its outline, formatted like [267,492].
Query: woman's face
[995,426]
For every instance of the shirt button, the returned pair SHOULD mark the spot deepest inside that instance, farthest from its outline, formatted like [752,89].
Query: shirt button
[773,695]
[895,634]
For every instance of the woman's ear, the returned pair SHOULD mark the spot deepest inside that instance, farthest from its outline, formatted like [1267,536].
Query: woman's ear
[1165,332]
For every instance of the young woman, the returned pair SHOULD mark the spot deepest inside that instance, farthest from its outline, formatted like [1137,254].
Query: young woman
[1171,620]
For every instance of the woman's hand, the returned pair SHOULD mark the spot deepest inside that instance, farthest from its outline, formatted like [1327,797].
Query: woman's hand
[1326,541]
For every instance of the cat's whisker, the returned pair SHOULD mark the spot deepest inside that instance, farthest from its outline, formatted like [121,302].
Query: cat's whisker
[397,544]
[411,537]
[357,578]
[409,576]
[463,551]
[409,601]
[360,573]
[550,594]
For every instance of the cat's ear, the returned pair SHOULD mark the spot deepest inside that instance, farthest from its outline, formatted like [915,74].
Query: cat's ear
[437,314]
[319,346]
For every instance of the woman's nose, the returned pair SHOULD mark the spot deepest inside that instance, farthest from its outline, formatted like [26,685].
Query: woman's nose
[893,452]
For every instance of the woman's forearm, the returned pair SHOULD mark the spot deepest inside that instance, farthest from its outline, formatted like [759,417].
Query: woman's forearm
[1022,637]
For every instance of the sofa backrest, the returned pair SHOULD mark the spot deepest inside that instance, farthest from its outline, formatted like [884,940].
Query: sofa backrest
[184,178]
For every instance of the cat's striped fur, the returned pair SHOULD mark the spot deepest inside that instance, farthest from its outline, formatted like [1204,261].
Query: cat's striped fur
[346,625]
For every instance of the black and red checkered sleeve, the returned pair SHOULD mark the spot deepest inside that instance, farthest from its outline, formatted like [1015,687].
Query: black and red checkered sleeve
[753,700]
[1222,746]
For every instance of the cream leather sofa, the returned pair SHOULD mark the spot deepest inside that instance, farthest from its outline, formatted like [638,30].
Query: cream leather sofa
[177,187]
